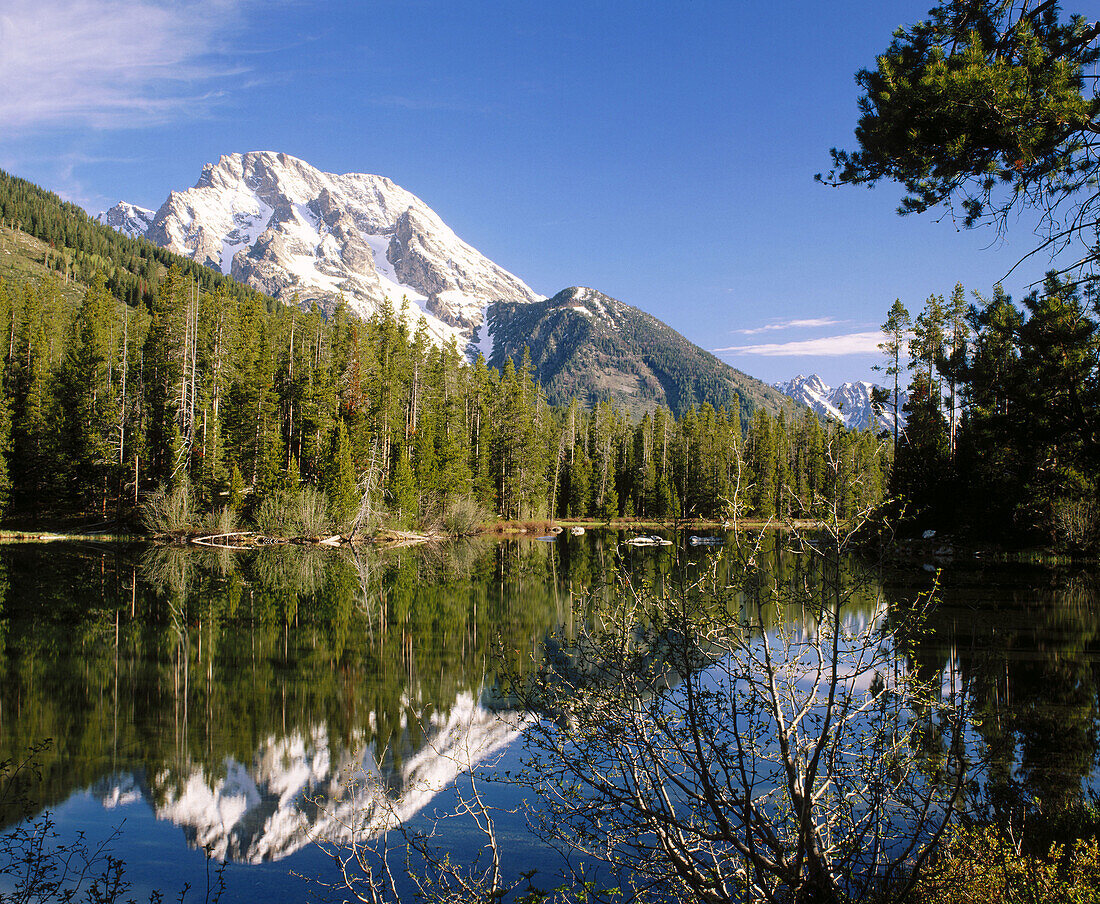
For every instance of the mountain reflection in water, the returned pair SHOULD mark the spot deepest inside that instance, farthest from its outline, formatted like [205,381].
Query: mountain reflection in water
[260,700]
[309,787]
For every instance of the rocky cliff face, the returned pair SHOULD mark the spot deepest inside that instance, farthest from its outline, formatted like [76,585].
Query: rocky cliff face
[290,230]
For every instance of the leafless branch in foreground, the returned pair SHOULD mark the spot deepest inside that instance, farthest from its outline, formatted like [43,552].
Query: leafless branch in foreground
[758,741]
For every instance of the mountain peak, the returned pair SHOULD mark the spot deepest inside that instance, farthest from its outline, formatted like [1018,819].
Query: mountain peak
[127,218]
[291,230]
[589,346]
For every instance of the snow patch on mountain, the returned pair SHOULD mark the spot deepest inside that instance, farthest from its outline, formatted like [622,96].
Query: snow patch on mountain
[849,403]
[592,303]
[481,341]
[248,226]
[293,231]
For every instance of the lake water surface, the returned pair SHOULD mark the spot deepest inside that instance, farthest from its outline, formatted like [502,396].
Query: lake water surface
[214,706]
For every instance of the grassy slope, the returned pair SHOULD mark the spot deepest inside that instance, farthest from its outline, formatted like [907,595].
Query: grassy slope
[22,259]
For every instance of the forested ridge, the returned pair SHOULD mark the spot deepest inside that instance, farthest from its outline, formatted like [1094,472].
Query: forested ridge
[80,248]
[589,346]
[105,403]
[263,411]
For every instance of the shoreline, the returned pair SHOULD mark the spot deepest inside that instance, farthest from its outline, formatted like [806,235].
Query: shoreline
[943,550]
[387,535]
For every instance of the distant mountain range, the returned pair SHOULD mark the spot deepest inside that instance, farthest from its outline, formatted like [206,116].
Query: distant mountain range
[292,232]
[129,219]
[849,403]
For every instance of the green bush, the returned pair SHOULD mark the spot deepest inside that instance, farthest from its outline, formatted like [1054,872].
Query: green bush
[1076,524]
[223,520]
[463,516]
[276,515]
[293,513]
[982,866]
[313,508]
[167,513]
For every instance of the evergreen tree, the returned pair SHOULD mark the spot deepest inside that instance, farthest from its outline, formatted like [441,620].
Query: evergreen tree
[922,463]
[926,347]
[896,329]
[403,492]
[87,393]
[164,356]
[482,388]
[453,477]
[579,493]
[954,359]
[338,476]
[983,106]
[609,507]
[33,432]
[5,452]
[783,470]
[763,464]
[1059,348]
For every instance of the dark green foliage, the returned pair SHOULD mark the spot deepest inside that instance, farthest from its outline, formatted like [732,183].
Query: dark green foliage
[763,461]
[87,395]
[5,455]
[403,492]
[338,476]
[1025,395]
[922,470]
[1053,387]
[30,367]
[985,107]
[82,248]
[989,107]
[520,451]
[894,329]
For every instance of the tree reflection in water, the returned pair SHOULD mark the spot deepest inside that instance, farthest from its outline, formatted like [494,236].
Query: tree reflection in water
[249,681]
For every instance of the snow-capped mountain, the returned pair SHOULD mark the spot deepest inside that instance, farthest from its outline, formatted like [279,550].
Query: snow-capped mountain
[849,403]
[312,787]
[129,219]
[289,229]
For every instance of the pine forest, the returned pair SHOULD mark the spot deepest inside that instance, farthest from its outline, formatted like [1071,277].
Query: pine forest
[281,415]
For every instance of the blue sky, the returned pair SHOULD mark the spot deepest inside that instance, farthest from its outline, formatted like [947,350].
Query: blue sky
[660,152]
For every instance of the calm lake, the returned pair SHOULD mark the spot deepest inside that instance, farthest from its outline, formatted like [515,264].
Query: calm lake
[211,706]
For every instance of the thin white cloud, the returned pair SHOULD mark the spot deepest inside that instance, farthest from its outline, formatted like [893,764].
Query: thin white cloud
[789,325]
[826,346]
[112,63]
